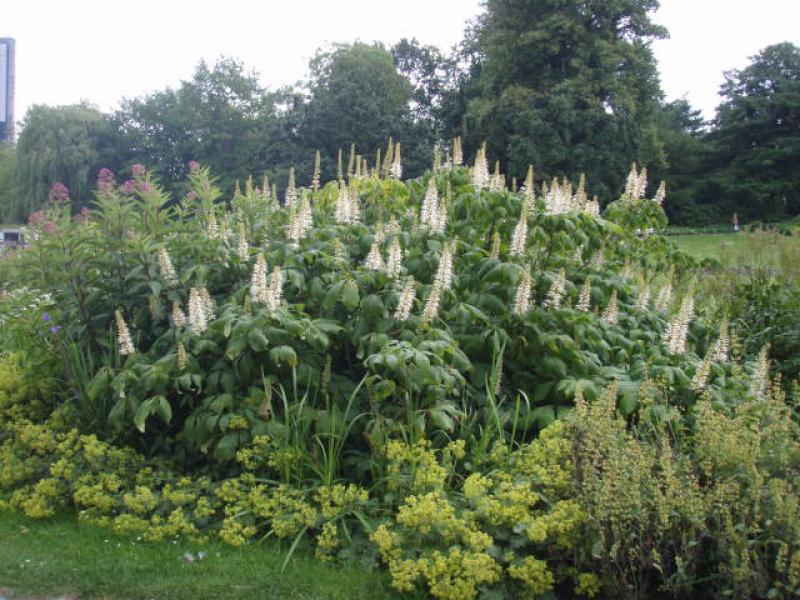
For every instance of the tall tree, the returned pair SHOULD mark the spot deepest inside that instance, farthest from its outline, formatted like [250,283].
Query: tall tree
[757,136]
[690,200]
[570,86]
[67,144]
[221,116]
[356,96]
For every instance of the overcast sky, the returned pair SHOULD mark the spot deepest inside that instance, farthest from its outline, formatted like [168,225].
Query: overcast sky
[102,51]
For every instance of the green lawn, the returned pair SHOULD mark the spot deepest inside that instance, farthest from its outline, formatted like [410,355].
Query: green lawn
[743,249]
[66,558]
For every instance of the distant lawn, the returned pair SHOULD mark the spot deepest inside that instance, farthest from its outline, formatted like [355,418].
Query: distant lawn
[65,558]
[744,249]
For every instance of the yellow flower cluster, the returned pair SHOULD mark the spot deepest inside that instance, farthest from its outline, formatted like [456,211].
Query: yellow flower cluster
[534,574]
[339,499]
[416,468]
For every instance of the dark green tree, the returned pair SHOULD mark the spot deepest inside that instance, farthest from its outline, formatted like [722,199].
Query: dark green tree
[757,135]
[691,199]
[570,86]
[9,185]
[67,144]
[356,95]
[221,116]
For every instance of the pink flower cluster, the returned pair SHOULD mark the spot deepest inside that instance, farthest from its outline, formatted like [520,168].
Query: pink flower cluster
[59,193]
[194,166]
[41,220]
[105,181]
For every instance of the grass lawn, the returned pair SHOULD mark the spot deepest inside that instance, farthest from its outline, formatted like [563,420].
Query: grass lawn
[65,558]
[743,249]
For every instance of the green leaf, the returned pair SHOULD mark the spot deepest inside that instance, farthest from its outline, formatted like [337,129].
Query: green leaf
[283,355]
[350,296]
[258,341]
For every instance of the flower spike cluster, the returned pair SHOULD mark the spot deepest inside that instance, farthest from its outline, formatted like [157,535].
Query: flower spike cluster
[124,341]
[678,329]
[556,291]
[166,268]
[585,299]
[406,302]
[522,298]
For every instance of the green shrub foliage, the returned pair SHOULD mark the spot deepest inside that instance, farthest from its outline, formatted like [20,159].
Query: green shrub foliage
[494,393]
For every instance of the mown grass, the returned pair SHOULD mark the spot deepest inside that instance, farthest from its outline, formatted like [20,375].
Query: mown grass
[66,558]
[743,249]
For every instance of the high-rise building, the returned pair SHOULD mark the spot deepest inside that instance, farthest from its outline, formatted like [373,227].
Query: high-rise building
[7,50]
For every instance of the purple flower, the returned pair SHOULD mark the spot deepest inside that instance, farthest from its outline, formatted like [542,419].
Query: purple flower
[55,329]
[138,170]
[46,317]
[145,186]
[194,166]
[59,193]
[128,187]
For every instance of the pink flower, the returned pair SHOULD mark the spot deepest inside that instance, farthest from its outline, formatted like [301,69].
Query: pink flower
[192,195]
[129,187]
[49,227]
[105,181]
[59,193]
[194,166]
[36,218]
[138,170]
[145,186]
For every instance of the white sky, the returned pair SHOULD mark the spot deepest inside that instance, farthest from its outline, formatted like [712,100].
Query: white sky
[102,51]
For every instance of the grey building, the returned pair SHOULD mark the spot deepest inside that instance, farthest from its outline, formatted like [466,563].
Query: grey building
[7,76]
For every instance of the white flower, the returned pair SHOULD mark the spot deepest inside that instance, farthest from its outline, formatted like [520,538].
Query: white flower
[244,249]
[678,329]
[520,235]
[480,172]
[395,261]
[374,261]
[165,266]
[430,205]
[275,290]
[431,308]
[208,304]
[212,226]
[178,316]
[661,193]
[700,379]
[124,340]
[406,302]
[643,299]
[556,291]
[611,313]
[444,272]
[585,298]
[721,350]
[258,281]
[522,298]
[664,298]
[396,170]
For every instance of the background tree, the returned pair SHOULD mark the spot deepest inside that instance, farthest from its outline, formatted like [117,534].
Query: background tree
[9,186]
[756,141]
[356,95]
[569,86]
[221,116]
[68,144]
[690,199]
